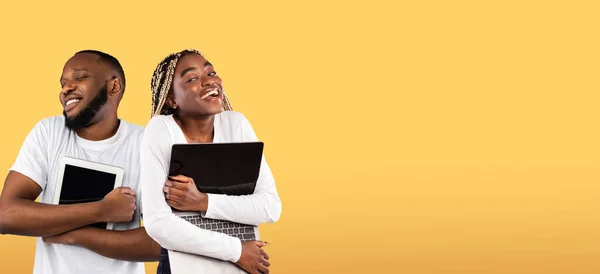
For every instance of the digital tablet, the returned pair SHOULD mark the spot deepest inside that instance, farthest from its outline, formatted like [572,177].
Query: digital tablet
[82,181]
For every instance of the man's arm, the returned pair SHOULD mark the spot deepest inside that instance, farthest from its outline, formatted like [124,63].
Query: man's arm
[129,245]
[21,215]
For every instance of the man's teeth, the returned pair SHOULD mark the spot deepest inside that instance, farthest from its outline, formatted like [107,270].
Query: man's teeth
[213,92]
[72,101]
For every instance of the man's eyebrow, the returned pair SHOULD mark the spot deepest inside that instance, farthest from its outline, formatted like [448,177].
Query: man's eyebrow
[76,70]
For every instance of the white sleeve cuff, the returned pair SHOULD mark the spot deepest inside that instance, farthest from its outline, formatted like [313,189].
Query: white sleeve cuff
[27,172]
[236,250]
[212,210]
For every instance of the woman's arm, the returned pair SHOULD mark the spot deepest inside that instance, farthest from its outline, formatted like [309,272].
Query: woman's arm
[170,231]
[263,206]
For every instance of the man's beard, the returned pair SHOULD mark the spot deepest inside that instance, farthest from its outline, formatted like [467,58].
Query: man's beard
[86,116]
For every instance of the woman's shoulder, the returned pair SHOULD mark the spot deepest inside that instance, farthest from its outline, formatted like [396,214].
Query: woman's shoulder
[236,126]
[232,119]
[159,121]
[158,125]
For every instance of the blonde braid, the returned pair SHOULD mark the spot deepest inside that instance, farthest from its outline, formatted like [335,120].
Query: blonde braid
[162,79]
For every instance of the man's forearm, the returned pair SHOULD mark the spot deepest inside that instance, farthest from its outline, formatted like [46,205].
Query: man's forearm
[129,245]
[30,218]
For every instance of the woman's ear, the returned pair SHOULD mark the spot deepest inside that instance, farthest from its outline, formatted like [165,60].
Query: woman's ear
[171,102]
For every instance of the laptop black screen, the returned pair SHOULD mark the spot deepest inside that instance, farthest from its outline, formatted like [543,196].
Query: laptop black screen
[219,168]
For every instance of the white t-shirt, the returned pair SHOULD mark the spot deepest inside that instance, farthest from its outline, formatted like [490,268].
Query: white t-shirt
[174,233]
[39,158]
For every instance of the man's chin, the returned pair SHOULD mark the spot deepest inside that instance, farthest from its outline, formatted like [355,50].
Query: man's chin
[72,113]
[69,117]
[71,121]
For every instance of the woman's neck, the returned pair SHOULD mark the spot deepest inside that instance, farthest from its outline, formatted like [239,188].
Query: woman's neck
[197,129]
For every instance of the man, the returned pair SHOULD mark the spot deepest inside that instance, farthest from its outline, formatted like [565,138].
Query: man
[92,83]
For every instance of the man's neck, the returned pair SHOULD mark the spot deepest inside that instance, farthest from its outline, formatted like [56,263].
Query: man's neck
[101,130]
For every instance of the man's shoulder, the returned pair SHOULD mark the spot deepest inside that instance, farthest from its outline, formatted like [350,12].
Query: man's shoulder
[134,131]
[57,121]
[133,127]
[50,124]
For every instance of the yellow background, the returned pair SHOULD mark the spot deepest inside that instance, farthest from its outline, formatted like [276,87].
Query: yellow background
[405,137]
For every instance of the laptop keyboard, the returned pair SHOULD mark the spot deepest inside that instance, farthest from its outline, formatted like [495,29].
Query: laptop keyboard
[241,231]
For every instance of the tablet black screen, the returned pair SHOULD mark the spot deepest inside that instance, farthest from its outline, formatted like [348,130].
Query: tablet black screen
[82,185]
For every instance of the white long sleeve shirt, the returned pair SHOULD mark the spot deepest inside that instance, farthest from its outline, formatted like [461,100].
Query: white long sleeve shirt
[174,233]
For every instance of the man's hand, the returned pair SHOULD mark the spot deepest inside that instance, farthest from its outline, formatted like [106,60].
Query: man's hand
[181,193]
[118,206]
[254,259]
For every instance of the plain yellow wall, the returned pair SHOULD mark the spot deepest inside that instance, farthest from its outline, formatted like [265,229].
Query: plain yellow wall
[405,136]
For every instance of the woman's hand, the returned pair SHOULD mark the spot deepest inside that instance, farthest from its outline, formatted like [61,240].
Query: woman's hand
[182,194]
[253,259]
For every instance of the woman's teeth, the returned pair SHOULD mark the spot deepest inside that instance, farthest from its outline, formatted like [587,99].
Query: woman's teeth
[213,93]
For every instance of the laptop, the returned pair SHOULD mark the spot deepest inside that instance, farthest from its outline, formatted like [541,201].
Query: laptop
[82,181]
[218,168]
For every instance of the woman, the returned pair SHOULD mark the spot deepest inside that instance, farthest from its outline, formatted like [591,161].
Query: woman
[189,106]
